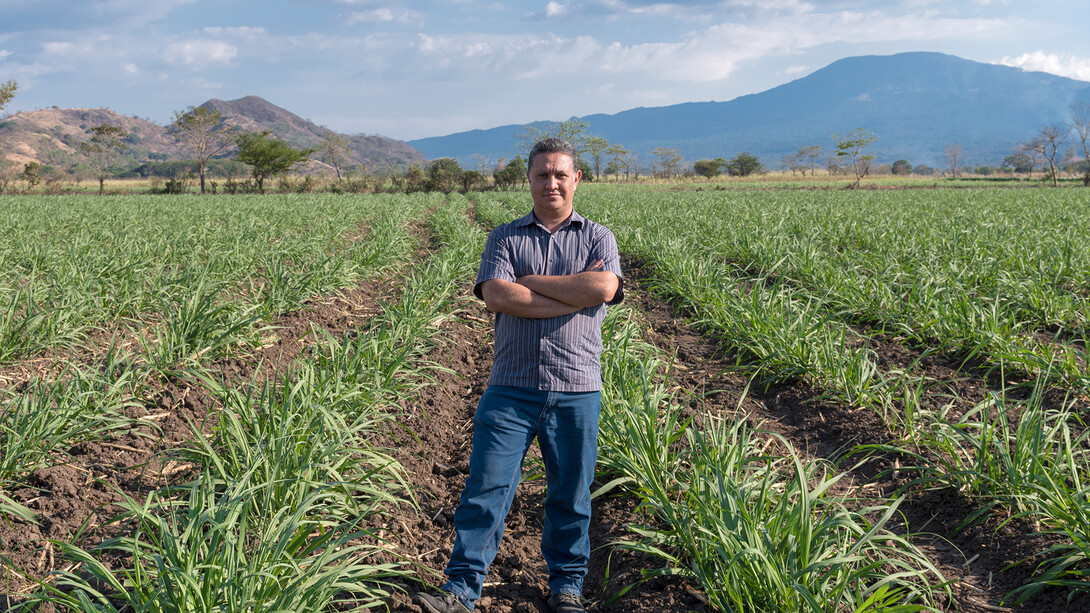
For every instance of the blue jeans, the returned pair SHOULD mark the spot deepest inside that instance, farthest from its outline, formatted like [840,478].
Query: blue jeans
[506,423]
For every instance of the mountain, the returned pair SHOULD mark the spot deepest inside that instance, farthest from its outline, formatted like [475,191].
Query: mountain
[52,136]
[916,103]
[252,114]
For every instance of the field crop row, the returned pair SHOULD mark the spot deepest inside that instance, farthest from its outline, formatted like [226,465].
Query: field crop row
[182,267]
[990,274]
[805,286]
[278,499]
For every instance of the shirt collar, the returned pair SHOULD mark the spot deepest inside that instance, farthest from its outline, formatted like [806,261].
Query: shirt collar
[530,220]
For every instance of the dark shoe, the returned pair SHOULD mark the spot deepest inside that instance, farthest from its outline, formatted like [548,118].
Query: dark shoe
[566,602]
[440,602]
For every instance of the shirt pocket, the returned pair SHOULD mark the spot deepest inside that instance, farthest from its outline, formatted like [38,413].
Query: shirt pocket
[572,257]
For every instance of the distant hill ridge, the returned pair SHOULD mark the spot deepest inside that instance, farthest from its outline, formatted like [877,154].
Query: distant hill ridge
[916,103]
[52,136]
[253,114]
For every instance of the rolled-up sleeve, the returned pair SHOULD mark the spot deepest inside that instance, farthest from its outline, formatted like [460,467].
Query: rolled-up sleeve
[605,249]
[495,261]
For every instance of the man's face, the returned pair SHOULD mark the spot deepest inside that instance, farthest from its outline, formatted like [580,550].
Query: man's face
[553,178]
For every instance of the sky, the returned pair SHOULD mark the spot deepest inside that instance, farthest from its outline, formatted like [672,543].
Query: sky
[417,68]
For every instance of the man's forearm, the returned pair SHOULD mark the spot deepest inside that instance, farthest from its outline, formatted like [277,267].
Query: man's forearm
[580,290]
[516,299]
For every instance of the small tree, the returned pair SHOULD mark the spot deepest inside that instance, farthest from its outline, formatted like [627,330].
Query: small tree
[953,156]
[1069,161]
[1047,144]
[444,174]
[709,168]
[106,142]
[268,155]
[669,160]
[203,132]
[414,180]
[573,130]
[901,168]
[471,180]
[32,174]
[518,167]
[744,164]
[851,145]
[832,165]
[514,172]
[619,158]
[809,156]
[7,92]
[596,148]
[1029,150]
[1080,123]
[334,151]
[791,162]
[1017,162]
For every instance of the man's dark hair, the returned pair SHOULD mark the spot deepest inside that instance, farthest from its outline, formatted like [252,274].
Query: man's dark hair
[553,145]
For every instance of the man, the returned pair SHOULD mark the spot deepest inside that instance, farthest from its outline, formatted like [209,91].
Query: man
[547,277]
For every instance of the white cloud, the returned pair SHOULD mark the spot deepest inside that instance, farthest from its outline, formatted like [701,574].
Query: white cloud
[4,53]
[714,53]
[243,32]
[198,52]
[130,68]
[709,55]
[59,48]
[775,5]
[492,48]
[790,70]
[478,49]
[373,16]
[555,9]
[428,44]
[385,15]
[1057,64]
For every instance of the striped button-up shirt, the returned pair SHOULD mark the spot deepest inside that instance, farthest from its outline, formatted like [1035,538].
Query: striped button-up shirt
[560,354]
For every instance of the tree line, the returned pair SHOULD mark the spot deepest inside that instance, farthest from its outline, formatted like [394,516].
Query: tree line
[209,140]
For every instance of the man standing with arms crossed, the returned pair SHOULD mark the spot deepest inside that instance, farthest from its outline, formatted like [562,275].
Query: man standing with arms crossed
[547,277]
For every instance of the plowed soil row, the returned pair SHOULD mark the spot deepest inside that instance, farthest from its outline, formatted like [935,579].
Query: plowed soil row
[76,495]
